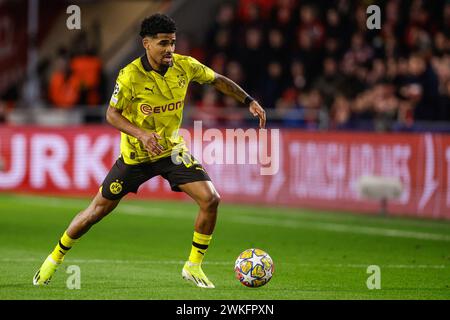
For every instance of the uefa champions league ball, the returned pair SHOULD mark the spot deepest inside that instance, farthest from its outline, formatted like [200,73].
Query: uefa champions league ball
[254,268]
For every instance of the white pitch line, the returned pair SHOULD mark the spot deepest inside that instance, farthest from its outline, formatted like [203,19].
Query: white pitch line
[130,209]
[337,227]
[289,223]
[225,263]
[393,266]
[116,261]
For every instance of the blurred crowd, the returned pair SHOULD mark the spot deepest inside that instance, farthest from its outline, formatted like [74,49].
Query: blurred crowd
[311,64]
[316,65]
[75,76]
[72,77]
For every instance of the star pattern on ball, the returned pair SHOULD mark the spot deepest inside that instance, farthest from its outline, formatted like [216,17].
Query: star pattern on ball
[247,277]
[269,272]
[256,260]
[239,260]
[247,270]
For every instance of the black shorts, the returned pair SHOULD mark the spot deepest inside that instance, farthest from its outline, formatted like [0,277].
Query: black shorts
[124,178]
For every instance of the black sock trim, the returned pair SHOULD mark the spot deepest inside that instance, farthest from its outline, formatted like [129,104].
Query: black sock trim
[200,246]
[63,246]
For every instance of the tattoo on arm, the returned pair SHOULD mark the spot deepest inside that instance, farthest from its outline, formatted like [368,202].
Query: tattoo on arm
[229,87]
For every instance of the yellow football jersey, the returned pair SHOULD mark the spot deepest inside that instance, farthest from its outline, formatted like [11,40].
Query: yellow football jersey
[155,102]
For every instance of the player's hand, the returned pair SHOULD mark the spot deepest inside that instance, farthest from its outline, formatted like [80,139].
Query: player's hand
[257,111]
[151,144]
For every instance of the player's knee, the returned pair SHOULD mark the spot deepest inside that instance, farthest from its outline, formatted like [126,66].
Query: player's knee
[98,212]
[211,203]
[94,216]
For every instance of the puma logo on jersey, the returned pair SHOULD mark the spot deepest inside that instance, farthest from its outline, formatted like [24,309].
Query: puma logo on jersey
[151,90]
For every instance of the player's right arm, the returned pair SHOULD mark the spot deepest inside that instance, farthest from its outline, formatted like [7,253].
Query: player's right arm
[121,99]
[149,139]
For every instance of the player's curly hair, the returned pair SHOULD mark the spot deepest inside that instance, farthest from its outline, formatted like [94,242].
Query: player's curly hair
[157,23]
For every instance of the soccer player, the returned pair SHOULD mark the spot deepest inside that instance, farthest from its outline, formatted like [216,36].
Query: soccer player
[147,106]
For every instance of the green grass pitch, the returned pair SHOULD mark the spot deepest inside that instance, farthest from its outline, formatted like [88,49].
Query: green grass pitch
[137,252]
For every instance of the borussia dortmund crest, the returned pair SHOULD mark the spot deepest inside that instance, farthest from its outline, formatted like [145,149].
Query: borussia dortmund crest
[181,80]
[116,187]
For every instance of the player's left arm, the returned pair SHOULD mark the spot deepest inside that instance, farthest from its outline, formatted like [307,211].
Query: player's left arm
[230,88]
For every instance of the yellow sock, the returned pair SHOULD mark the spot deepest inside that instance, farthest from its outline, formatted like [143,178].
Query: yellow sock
[64,245]
[199,246]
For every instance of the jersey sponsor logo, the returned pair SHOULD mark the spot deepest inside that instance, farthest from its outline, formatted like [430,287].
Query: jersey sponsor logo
[148,109]
[115,187]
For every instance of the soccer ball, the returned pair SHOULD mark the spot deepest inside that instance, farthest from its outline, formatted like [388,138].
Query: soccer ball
[254,268]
